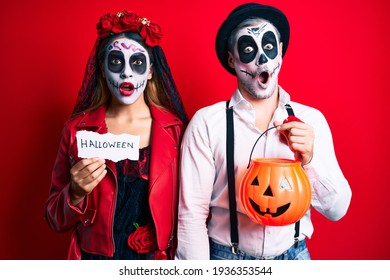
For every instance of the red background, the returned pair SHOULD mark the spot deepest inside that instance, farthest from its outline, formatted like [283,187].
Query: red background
[337,62]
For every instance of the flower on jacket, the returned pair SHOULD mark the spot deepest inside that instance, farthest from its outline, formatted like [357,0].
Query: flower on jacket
[115,23]
[143,239]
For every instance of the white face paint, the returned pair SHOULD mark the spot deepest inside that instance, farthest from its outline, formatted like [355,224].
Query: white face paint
[126,67]
[257,59]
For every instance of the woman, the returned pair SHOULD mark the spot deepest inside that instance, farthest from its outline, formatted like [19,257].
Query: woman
[125,209]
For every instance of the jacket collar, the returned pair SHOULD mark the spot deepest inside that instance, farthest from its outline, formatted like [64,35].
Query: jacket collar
[163,117]
[164,143]
[95,120]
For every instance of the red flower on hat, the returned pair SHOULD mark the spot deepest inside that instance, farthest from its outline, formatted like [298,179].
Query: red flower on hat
[125,21]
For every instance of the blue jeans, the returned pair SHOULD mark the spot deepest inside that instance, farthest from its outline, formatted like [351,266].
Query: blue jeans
[222,252]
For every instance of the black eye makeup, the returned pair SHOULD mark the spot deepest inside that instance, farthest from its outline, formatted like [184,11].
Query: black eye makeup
[247,48]
[116,61]
[269,44]
[138,63]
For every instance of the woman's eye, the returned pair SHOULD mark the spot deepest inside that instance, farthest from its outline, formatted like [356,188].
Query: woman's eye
[137,62]
[248,49]
[116,61]
[268,47]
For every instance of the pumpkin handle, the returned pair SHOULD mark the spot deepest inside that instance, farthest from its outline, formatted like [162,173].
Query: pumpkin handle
[250,156]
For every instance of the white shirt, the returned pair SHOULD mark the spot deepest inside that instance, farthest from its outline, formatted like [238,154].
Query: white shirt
[203,186]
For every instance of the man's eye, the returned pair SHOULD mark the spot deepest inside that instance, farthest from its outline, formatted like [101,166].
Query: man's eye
[268,47]
[116,61]
[248,49]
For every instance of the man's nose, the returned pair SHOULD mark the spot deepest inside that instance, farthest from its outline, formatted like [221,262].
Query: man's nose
[262,59]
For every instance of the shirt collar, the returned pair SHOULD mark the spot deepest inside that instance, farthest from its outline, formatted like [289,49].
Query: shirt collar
[284,97]
[238,101]
[245,111]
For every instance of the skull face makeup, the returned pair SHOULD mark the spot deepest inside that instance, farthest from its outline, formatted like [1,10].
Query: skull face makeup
[127,69]
[257,58]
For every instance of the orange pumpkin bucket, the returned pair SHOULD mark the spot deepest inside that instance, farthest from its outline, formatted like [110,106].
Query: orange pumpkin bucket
[275,191]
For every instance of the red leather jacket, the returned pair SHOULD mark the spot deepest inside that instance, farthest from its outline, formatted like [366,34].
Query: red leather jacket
[92,223]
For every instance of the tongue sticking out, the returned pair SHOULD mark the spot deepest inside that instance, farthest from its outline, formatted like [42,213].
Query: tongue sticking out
[263,77]
[126,89]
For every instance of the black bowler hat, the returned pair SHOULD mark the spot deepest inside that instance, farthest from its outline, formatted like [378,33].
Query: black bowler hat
[241,13]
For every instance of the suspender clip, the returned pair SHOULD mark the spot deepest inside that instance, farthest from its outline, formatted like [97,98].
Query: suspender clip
[235,248]
[296,242]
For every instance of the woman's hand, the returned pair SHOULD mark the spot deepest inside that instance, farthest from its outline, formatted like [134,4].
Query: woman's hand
[85,176]
[300,139]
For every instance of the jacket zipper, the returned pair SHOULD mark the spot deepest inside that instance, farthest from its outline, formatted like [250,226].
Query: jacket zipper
[173,211]
[113,210]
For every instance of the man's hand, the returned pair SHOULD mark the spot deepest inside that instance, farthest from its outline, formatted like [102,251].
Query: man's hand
[300,138]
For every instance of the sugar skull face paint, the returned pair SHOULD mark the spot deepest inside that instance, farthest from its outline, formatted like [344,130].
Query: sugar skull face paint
[127,69]
[257,58]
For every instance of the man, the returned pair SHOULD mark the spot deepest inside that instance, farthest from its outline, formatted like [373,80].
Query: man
[250,44]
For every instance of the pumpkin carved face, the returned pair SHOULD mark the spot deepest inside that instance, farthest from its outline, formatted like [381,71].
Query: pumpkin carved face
[275,191]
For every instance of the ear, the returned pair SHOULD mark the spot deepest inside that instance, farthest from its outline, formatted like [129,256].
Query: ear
[150,75]
[280,48]
[230,60]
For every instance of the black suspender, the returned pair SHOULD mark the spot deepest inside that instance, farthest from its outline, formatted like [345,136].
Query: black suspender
[296,235]
[231,179]
[230,173]
[290,111]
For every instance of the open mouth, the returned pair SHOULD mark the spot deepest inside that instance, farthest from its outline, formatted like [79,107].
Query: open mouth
[279,211]
[263,78]
[126,89]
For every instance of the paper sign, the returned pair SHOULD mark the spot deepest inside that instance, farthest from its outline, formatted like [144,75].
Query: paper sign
[107,146]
